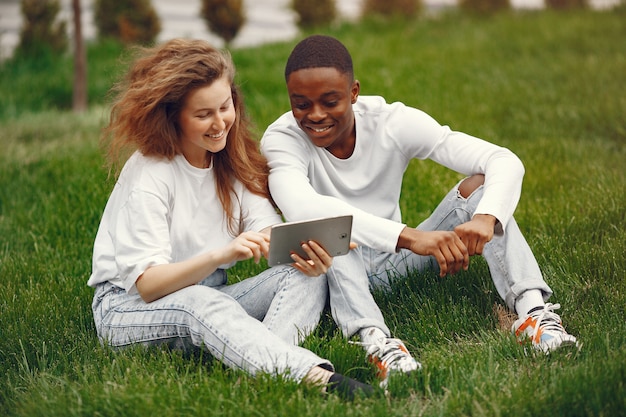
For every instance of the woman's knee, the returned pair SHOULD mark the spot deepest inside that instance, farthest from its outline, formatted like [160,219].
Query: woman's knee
[470,184]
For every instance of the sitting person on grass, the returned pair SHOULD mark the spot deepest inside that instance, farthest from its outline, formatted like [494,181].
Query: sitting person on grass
[339,153]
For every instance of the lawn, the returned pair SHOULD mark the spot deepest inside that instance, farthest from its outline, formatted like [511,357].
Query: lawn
[549,86]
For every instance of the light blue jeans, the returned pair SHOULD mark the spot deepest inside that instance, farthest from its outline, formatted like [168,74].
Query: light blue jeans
[511,262]
[252,325]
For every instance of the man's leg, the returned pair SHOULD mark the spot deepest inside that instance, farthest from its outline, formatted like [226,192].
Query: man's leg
[352,304]
[513,267]
[354,309]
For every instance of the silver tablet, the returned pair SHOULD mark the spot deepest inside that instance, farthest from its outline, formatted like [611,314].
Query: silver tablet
[331,233]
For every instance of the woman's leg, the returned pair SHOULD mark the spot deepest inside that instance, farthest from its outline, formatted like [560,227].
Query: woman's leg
[288,302]
[203,317]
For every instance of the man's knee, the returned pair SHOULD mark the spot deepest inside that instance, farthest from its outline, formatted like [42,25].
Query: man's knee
[470,184]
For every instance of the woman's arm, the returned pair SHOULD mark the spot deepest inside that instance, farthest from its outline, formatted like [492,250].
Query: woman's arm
[160,280]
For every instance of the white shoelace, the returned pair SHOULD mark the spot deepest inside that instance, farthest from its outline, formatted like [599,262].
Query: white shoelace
[547,319]
[391,354]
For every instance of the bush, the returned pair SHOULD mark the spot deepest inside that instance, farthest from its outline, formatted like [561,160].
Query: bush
[484,7]
[565,4]
[22,76]
[129,21]
[223,17]
[312,13]
[407,8]
[40,30]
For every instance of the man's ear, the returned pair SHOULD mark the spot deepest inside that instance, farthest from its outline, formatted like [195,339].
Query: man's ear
[354,91]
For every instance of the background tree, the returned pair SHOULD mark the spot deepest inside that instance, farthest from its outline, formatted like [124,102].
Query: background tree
[79,100]
[406,8]
[484,7]
[313,13]
[41,31]
[223,17]
[129,21]
[568,4]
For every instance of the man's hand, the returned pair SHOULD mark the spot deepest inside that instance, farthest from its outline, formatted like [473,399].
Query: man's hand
[476,233]
[446,247]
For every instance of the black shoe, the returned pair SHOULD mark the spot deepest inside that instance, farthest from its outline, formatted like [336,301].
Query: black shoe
[348,388]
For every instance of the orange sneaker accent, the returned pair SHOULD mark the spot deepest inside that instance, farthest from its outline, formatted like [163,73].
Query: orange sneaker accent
[381,366]
[381,369]
[390,356]
[529,322]
[543,329]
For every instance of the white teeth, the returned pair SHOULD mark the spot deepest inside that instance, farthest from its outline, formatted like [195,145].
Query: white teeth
[323,129]
[217,135]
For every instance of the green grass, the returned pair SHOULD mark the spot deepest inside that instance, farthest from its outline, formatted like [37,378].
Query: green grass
[551,87]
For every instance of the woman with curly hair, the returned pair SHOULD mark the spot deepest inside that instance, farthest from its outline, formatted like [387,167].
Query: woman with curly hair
[190,201]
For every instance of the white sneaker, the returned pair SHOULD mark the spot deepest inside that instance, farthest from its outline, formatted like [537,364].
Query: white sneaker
[544,329]
[390,356]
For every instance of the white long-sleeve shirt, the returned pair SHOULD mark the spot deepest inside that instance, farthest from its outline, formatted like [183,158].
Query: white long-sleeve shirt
[310,182]
[164,211]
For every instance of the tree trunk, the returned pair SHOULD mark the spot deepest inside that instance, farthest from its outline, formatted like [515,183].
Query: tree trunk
[80,62]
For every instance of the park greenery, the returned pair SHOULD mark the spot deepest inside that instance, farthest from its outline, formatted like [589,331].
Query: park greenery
[549,85]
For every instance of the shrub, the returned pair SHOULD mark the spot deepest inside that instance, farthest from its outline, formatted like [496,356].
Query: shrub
[129,21]
[407,8]
[223,17]
[312,13]
[565,4]
[484,7]
[40,30]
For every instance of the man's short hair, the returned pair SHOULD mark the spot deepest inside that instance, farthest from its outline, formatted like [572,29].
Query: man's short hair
[319,51]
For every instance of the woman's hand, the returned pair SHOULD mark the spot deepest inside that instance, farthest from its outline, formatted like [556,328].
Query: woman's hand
[248,245]
[318,263]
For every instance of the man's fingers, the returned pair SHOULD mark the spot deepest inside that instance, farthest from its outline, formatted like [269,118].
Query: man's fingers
[480,247]
[443,264]
[465,253]
[453,258]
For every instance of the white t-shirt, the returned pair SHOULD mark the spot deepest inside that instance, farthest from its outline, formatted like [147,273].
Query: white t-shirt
[308,182]
[164,211]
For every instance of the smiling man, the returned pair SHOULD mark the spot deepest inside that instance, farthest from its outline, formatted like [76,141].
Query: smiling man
[340,153]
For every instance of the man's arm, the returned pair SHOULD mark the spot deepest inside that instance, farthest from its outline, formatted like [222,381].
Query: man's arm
[288,158]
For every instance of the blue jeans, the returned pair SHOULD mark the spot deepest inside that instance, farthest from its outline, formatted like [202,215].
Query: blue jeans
[252,325]
[511,262]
